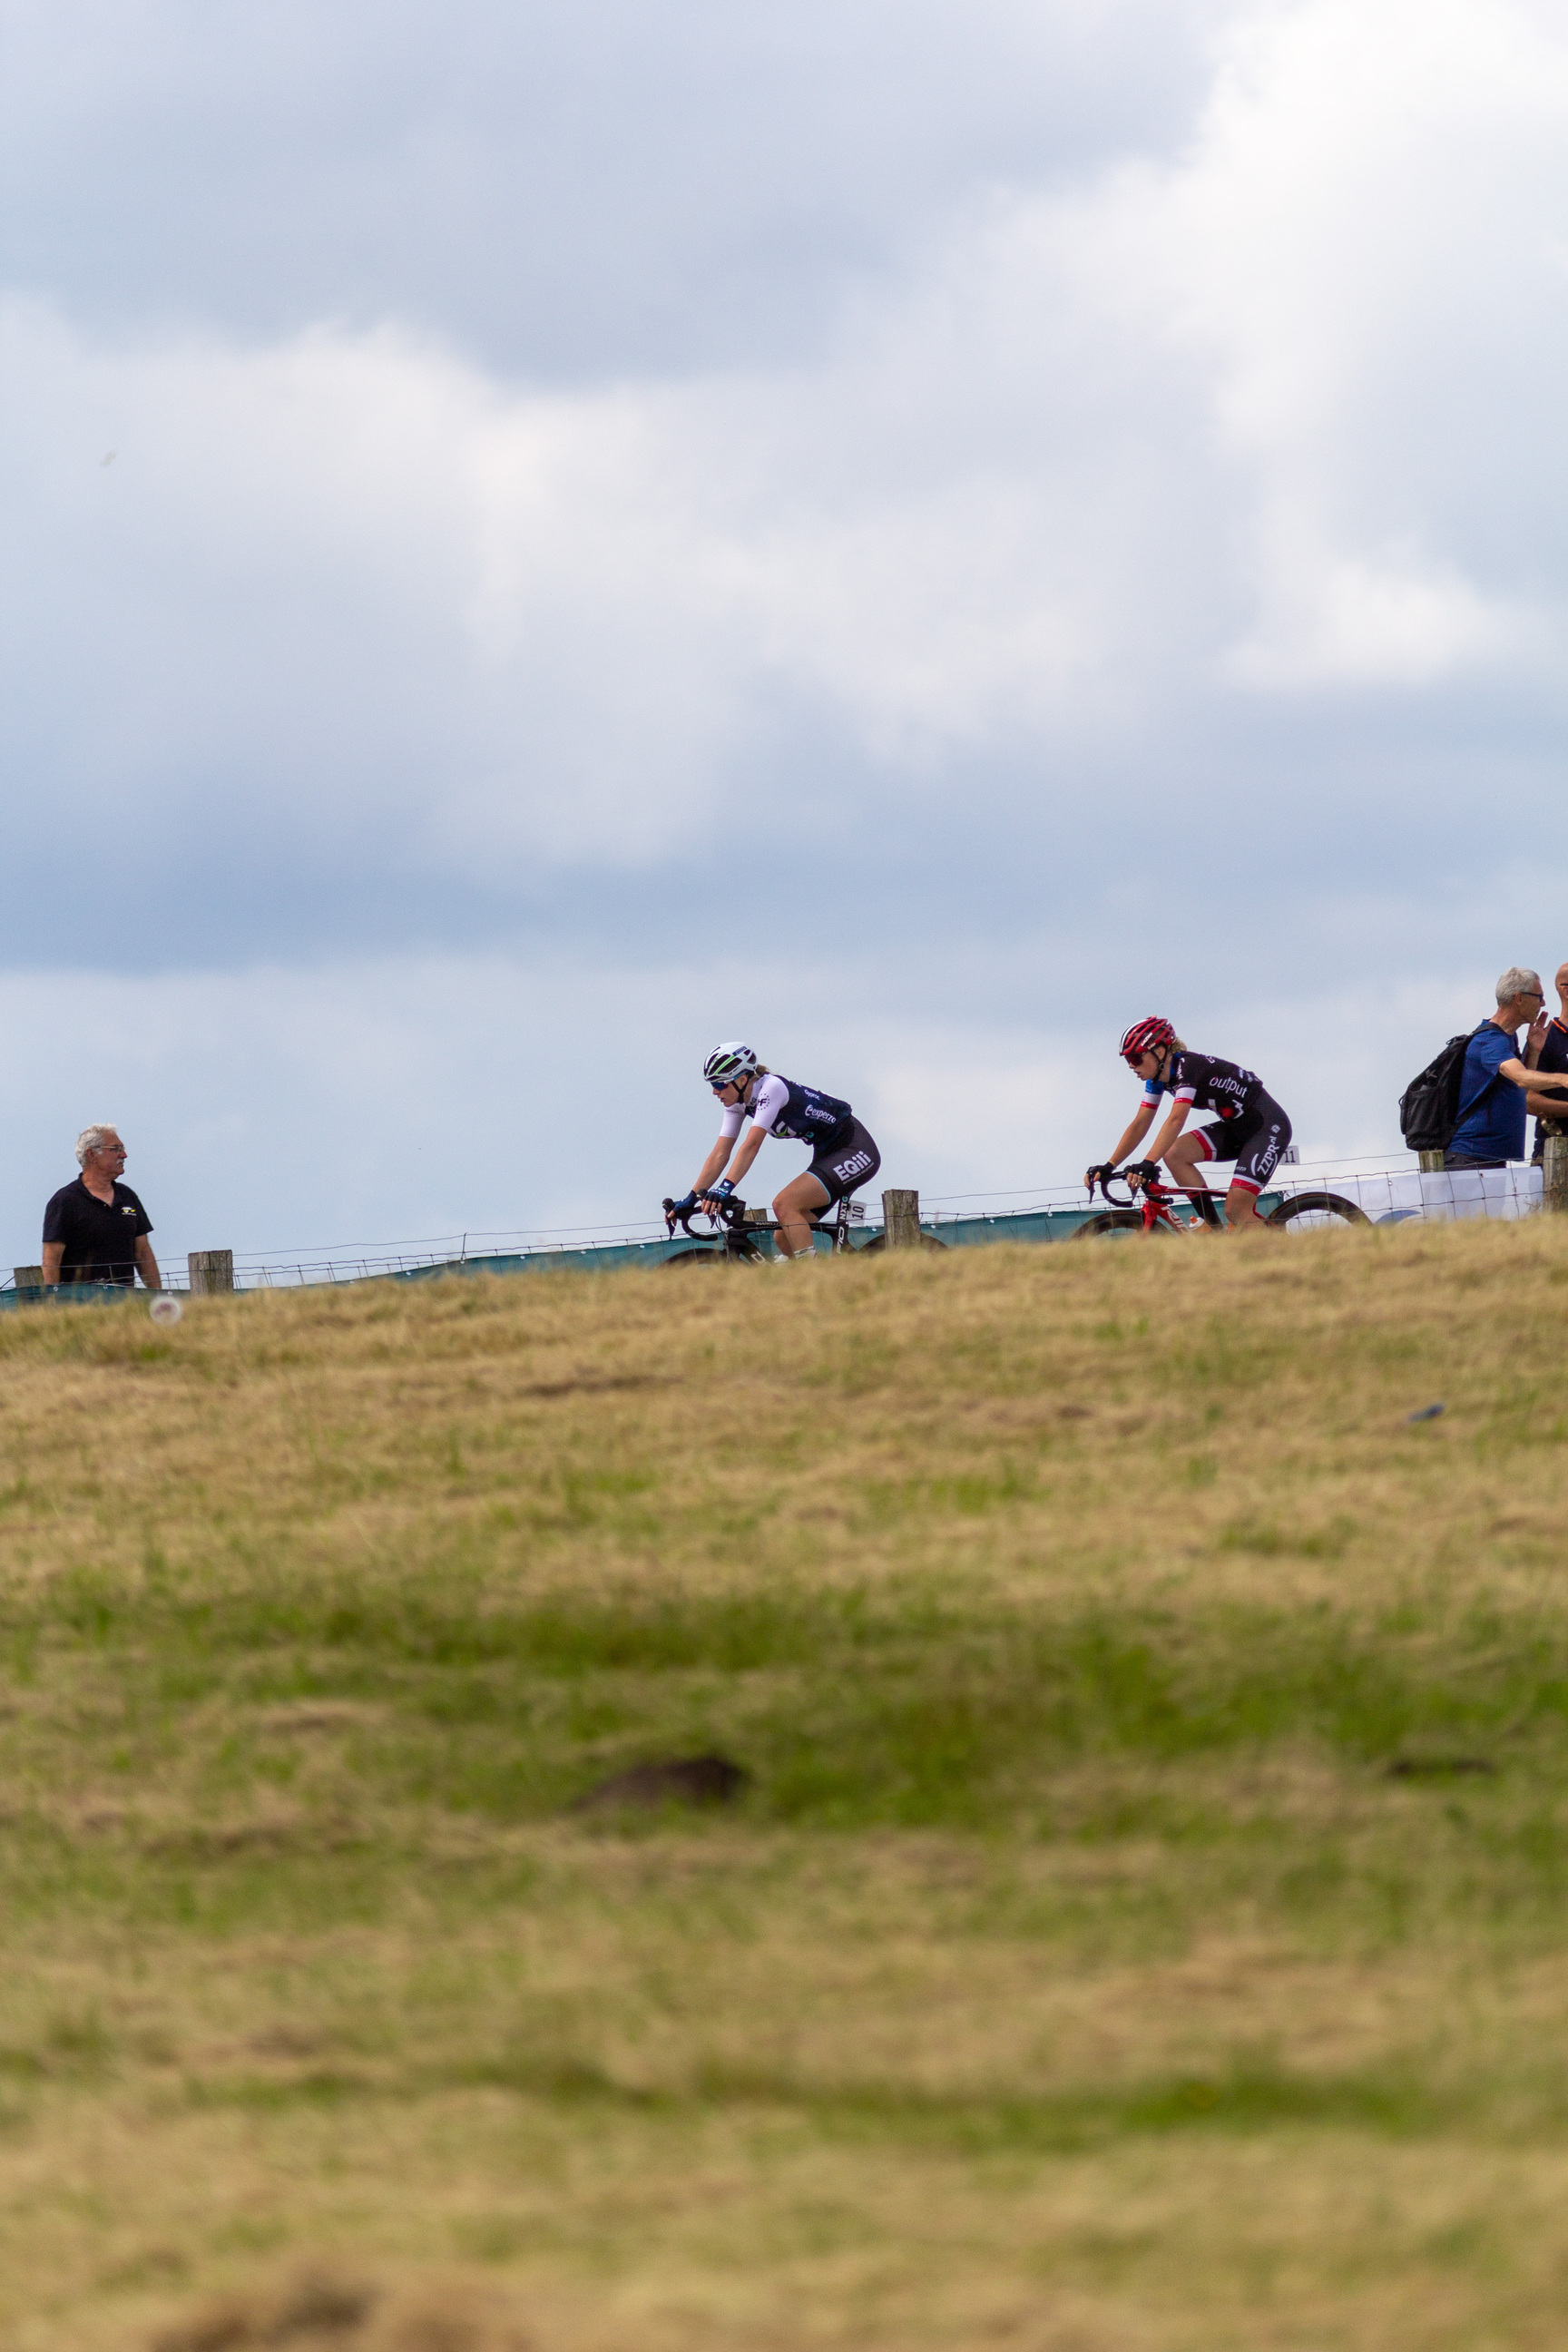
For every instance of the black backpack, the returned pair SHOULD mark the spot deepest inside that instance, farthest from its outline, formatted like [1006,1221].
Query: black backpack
[1429,1107]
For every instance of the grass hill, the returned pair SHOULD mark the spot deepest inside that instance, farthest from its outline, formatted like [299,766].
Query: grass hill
[1145,1924]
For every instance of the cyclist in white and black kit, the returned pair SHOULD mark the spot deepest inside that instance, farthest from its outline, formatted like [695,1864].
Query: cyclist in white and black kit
[843,1156]
[1250,1128]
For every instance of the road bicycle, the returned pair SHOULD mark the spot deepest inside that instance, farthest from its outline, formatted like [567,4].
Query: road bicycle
[1154,1212]
[737,1232]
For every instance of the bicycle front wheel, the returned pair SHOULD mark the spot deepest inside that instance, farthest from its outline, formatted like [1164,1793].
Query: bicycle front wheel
[1114,1221]
[1305,1213]
[702,1254]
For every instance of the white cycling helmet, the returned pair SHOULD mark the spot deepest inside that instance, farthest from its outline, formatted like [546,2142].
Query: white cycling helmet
[729,1064]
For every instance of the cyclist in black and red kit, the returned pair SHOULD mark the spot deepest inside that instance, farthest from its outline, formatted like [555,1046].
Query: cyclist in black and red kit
[1250,1127]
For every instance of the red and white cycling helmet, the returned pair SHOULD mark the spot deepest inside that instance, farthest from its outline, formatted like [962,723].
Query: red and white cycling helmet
[1146,1038]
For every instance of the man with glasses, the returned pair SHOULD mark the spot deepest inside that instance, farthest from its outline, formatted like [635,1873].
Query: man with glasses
[1489,1130]
[96,1230]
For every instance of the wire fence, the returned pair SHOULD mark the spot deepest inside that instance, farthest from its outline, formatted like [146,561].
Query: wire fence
[1388,1190]
[363,1262]
[1390,1193]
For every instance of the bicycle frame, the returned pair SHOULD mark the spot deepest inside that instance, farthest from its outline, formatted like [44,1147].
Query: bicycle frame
[736,1233]
[1155,1203]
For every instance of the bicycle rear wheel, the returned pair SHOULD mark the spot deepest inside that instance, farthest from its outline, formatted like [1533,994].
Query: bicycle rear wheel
[1308,1211]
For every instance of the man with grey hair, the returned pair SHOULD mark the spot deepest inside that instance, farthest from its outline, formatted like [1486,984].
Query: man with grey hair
[1489,1130]
[96,1230]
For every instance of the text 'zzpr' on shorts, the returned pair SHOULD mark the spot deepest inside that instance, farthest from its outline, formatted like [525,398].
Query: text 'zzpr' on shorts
[844,1166]
[1256,1144]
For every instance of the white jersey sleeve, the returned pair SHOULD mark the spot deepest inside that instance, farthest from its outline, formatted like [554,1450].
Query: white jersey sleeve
[767,1102]
[771,1096]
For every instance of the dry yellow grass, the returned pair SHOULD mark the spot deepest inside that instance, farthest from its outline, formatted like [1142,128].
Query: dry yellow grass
[1145,1924]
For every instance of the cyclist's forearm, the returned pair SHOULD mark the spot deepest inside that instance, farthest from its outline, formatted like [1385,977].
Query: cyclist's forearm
[1133,1136]
[1168,1134]
[713,1166]
[751,1144]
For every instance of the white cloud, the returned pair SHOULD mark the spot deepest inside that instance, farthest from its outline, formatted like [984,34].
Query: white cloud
[1389,617]
[1187,429]
[1366,238]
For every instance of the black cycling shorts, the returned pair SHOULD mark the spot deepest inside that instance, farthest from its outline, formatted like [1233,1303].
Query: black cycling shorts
[841,1168]
[1256,1144]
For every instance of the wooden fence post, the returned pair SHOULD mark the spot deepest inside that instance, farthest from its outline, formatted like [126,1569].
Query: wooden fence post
[901,1220]
[1554,1173]
[1431,1162]
[27,1278]
[210,1270]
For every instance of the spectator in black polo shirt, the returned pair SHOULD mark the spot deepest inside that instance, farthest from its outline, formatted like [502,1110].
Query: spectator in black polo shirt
[1553,1057]
[96,1230]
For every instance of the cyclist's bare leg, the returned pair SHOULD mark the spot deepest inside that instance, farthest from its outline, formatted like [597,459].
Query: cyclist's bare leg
[793,1207]
[1185,1157]
[1241,1209]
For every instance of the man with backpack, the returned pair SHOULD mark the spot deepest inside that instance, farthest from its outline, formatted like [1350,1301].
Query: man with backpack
[1489,1130]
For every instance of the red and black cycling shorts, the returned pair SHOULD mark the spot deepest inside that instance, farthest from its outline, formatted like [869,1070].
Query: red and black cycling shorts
[1256,1142]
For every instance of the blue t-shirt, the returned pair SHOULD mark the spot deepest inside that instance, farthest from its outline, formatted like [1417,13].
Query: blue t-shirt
[1491,1109]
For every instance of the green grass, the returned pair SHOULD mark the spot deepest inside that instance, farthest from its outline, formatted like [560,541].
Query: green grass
[1143,1923]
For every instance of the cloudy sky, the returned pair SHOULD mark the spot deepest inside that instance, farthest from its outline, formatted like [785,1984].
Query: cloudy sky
[540,533]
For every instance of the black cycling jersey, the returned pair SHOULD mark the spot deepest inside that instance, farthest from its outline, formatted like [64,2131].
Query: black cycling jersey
[1209,1084]
[795,1113]
[810,1116]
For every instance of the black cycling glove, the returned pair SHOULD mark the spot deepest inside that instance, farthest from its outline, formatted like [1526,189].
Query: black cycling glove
[674,1207]
[722,1190]
[1146,1171]
[1099,1172]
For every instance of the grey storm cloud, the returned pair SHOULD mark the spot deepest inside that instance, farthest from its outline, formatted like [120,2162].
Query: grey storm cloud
[567,188]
